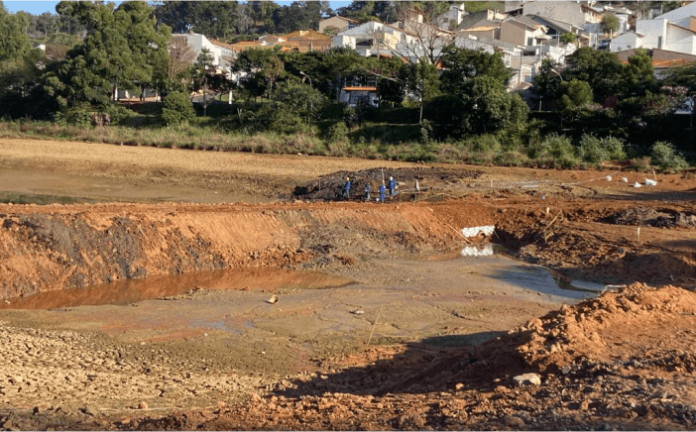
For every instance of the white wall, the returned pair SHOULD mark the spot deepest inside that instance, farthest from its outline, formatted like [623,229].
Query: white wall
[680,40]
[651,31]
[679,15]
[625,41]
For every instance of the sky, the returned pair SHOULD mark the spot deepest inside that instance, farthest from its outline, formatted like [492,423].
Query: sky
[39,7]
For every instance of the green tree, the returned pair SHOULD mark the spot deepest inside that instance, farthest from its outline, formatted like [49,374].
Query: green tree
[460,65]
[639,72]
[302,99]
[215,19]
[601,69]
[202,73]
[423,83]
[610,23]
[575,94]
[568,38]
[547,82]
[122,49]
[489,107]
[14,43]
[177,109]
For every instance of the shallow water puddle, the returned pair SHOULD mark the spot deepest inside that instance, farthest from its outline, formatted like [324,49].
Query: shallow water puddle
[165,287]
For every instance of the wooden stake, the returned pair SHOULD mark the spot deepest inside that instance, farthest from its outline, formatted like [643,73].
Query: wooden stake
[375,326]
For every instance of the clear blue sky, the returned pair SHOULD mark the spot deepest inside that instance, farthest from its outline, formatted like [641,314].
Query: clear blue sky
[39,7]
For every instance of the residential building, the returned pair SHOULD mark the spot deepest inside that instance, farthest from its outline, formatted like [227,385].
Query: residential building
[451,19]
[408,40]
[337,22]
[222,53]
[682,16]
[524,31]
[301,40]
[660,34]
[485,28]
[474,19]
[556,28]
[577,14]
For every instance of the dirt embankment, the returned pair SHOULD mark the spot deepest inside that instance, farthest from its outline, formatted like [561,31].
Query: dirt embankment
[58,247]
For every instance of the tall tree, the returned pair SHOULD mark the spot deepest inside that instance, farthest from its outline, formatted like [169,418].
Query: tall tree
[423,83]
[122,49]
[610,23]
[202,73]
[460,65]
[215,19]
[601,69]
[13,39]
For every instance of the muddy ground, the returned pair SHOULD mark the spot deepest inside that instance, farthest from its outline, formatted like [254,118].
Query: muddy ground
[303,313]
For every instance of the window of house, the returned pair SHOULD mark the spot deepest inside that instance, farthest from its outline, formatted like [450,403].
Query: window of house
[351,26]
[530,41]
[659,42]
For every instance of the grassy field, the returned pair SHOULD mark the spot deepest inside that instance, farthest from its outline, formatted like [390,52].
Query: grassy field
[96,155]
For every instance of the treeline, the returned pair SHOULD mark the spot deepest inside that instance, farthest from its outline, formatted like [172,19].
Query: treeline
[233,20]
[593,110]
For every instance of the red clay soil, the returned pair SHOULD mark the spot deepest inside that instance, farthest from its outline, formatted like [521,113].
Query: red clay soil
[57,247]
[623,361]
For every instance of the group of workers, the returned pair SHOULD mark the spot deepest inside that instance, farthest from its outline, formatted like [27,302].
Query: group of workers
[390,185]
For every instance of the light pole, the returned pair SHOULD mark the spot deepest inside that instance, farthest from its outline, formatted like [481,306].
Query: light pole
[311,103]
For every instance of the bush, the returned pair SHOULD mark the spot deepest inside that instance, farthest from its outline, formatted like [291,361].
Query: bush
[559,149]
[177,109]
[664,155]
[337,132]
[486,143]
[591,149]
[77,117]
[117,112]
[614,147]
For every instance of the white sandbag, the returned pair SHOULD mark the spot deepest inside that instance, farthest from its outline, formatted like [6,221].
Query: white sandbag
[474,231]
[649,182]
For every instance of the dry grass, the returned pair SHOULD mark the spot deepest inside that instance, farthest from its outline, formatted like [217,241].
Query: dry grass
[96,155]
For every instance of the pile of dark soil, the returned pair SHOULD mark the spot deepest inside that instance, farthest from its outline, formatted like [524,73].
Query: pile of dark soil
[328,187]
[655,218]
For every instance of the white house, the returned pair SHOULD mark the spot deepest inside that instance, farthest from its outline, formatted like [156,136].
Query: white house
[681,16]
[221,52]
[377,39]
[657,33]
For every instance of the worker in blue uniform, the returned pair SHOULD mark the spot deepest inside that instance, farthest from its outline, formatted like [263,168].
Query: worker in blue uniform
[382,189]
[346,188]
[392,185]
[367,191]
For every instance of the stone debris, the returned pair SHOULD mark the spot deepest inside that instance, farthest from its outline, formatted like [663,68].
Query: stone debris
[527,379]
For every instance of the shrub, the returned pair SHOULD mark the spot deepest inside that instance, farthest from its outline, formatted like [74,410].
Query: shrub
[614,147]
[486,143]
[117,112]
[337,132]
[558,148]
[664,155]
[79,117]
[177,109]
[591,149]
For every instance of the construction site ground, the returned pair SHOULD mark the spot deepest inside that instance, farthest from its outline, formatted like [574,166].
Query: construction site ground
[173,289]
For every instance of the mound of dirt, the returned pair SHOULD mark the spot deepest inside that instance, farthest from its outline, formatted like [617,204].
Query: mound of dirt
[329,186]
[587,332]
[652,217]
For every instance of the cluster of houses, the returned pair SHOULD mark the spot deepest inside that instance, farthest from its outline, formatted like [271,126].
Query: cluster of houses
[523,32]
